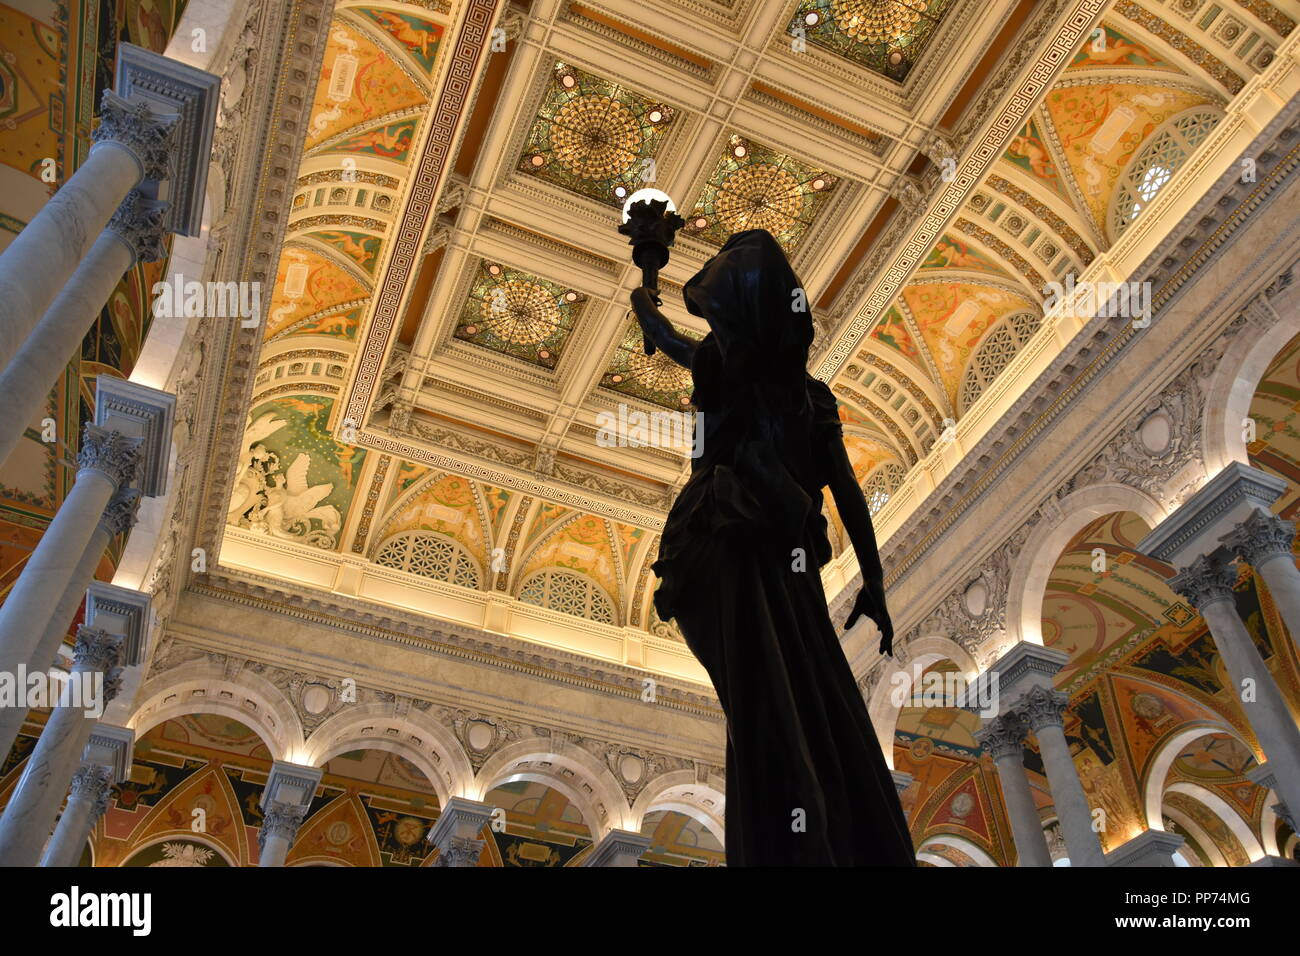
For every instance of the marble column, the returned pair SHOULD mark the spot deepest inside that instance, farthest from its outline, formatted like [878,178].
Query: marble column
[118,518]
[285,801]
[27,819]
[108,461]
[1043,710]
[1263,541]
[1004,739]
[1207,585]
[618,848]
[130,145]
[1262,775]
[92,787]
[134,234]
[455,833]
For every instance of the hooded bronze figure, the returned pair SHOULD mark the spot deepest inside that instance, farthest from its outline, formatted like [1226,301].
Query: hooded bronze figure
[738,566]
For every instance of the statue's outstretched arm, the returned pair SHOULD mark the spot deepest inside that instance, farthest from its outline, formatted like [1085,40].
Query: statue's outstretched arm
[854,513]
[659,330]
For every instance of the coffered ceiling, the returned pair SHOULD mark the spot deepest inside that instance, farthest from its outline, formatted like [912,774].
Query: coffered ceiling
[449,327]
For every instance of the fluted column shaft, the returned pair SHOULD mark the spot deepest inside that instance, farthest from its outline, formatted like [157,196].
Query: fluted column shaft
[29,816]
[1264,541]
[118,518]
[108,461]
[1004,739]
[131,145]
[1207,585]
[92,786]
[1043,711]
[135,233]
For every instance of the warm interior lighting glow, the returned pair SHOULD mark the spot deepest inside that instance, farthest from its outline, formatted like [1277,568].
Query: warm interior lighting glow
[647,195]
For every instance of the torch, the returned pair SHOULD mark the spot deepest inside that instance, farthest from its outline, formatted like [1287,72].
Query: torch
[650,222]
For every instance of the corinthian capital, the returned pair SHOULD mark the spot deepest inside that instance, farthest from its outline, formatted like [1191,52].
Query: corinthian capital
[138,223]
[1261,536]
[135,126]
[111,453]
[1003,736]
[1205,582]
[94,784]
[459,851]
[280,819]
[1041,707]
[96,649]
[120,513]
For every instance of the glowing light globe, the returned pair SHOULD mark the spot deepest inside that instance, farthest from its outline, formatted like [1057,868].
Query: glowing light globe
[646,195]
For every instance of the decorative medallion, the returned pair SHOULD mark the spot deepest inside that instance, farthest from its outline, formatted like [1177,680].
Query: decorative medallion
[519,314]
[755,187]
[885,36]
[595,137]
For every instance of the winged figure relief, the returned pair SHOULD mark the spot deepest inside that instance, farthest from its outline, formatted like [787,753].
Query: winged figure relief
[292,504]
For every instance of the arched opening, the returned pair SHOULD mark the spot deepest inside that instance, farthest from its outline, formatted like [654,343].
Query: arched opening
[538,825]
[680,839]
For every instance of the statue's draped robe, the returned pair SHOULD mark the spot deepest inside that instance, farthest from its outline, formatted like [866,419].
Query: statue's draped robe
[738,564]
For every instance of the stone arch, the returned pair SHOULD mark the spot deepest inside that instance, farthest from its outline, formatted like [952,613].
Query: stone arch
[415,736]
[977,854]
[678,790]
[1231,389]
[567,768]
[187,836]
[1219,807]
[1033,566]
[882,707]
[202,687]
[1152,779]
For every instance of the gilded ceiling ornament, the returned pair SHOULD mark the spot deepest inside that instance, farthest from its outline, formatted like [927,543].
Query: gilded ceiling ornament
[885,36]
[876,21]
[658,372]
[653,378]
[755,187]
[518,314]
[521,312]
[760,197]
[596,137]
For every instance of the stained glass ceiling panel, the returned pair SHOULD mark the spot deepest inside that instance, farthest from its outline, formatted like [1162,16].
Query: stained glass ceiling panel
[519,314]
[755,187]
[654,378]
[595,137]
[885,36]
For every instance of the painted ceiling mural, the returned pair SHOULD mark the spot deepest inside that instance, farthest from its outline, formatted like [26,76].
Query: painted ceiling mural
[1275,412]
[1141,667]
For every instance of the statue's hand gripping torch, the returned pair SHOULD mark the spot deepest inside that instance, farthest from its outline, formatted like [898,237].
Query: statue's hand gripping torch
[650,222]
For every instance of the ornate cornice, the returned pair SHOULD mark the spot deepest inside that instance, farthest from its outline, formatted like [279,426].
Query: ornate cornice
[416,630]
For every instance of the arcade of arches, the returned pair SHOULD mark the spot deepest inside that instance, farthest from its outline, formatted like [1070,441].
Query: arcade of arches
[311,312]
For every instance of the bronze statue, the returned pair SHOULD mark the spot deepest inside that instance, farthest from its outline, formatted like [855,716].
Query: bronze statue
[738,566]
